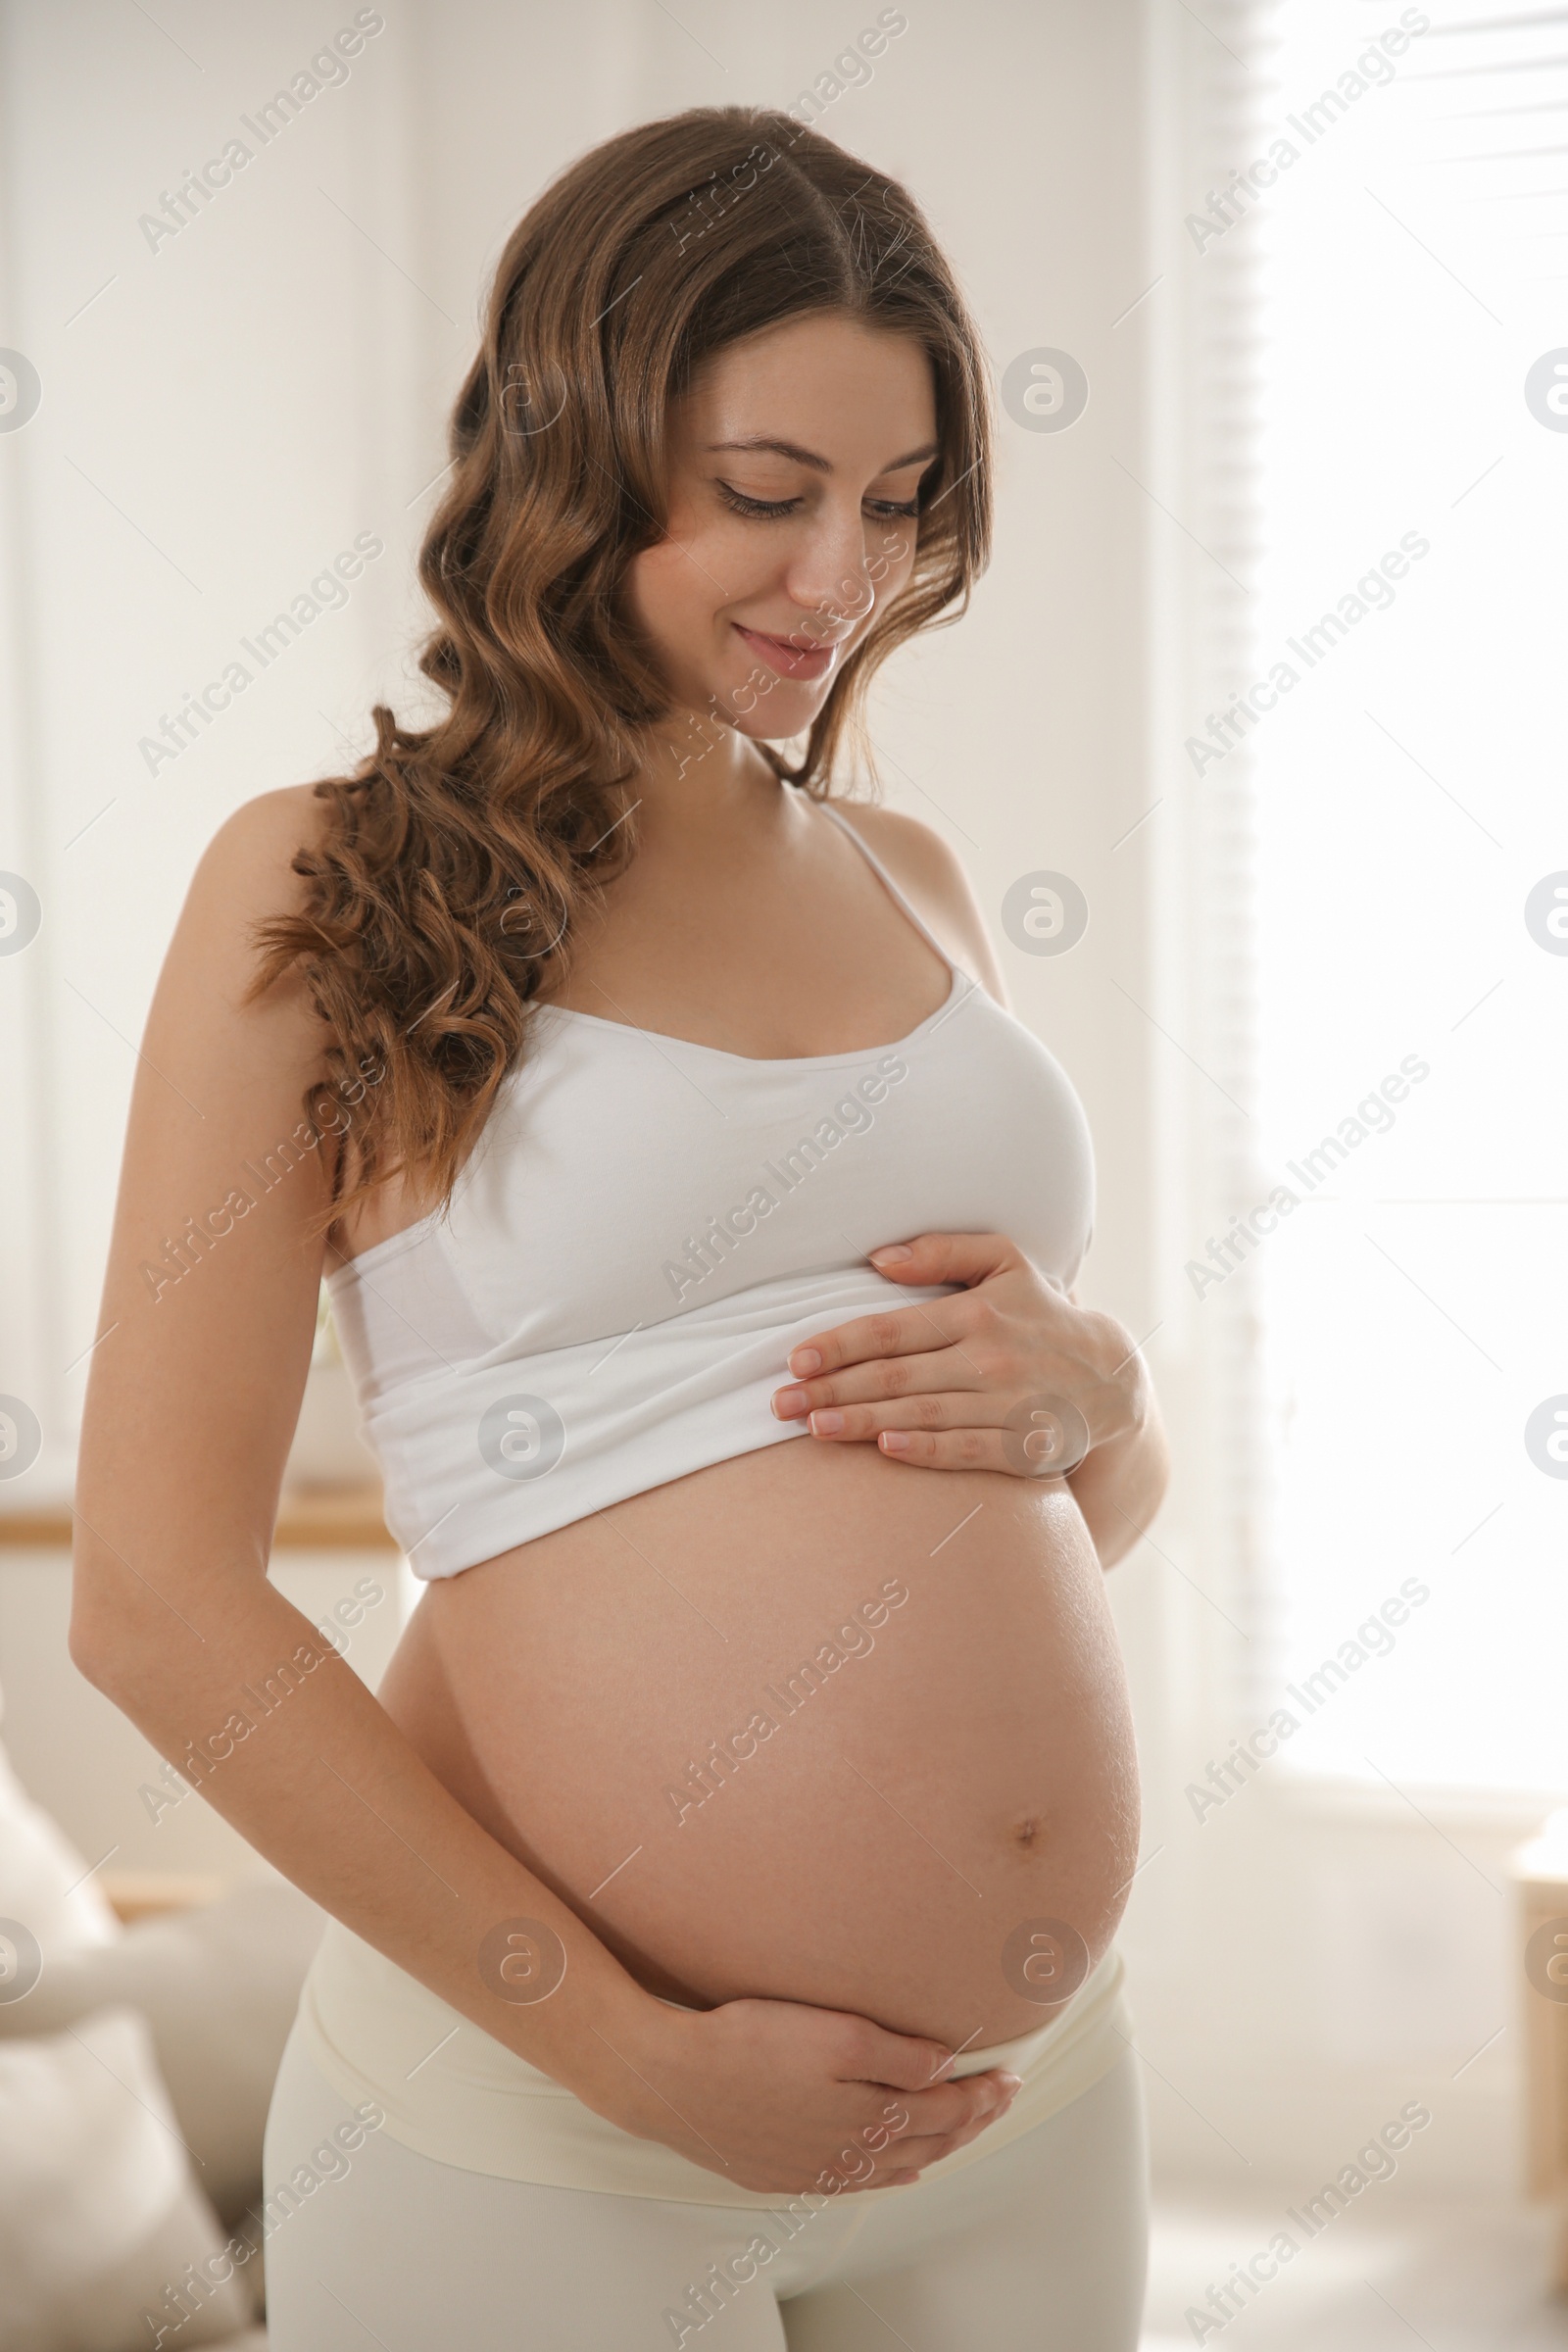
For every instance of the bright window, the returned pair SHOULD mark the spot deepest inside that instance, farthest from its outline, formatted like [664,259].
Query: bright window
[1413,792]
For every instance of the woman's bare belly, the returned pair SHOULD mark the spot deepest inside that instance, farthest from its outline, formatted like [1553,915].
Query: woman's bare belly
[965,1768]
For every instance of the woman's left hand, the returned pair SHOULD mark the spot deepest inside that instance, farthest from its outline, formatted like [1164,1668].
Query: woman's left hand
[1005,1375]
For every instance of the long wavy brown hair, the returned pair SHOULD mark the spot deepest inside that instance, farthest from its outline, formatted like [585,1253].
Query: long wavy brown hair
[454,866]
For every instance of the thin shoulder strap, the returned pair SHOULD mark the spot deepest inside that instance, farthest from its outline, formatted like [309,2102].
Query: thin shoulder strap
[889,885]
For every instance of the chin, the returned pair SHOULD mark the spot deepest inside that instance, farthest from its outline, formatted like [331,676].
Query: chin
[787,710]
[777,727]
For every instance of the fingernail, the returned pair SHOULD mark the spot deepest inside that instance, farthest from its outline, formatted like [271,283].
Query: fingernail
[891,1256]
[788,1404]
[826,1424]
[806,1359]
[893,1441]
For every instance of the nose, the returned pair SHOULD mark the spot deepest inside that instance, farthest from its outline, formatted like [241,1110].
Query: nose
[829,577]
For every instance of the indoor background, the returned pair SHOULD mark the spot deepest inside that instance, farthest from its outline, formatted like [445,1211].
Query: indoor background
[1267,665]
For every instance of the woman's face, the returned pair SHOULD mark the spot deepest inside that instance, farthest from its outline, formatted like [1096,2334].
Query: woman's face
[795,461]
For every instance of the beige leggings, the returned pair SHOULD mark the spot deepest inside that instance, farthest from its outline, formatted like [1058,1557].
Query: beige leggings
[1037,2248]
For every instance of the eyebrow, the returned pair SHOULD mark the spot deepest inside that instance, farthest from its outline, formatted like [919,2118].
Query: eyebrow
[809,457]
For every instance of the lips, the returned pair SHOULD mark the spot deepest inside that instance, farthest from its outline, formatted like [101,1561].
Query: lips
[786,659]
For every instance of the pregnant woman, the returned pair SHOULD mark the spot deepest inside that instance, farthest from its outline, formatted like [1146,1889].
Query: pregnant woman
[723,1885]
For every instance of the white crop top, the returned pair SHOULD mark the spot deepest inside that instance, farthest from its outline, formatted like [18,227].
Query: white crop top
[648,1227]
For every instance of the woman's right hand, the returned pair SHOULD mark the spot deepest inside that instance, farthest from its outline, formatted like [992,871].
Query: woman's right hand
[783,2097]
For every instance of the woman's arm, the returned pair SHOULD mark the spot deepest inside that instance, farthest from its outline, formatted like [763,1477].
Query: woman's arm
[1120,1486]
[209,1311]
[207,1317]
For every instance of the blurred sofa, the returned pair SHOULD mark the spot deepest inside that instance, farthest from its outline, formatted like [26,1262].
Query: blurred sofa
[136,2066]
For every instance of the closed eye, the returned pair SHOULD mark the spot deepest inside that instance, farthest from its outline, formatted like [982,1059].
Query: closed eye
[763,507]
[767,510]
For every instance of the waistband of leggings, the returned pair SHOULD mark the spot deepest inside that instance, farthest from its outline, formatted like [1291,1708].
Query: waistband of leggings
[452,2092]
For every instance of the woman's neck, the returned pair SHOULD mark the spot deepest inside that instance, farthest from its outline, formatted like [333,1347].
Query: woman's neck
[699,779]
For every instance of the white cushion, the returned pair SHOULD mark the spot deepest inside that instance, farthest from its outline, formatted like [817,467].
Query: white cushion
[44,1881]
[218,1988]
[99,2216]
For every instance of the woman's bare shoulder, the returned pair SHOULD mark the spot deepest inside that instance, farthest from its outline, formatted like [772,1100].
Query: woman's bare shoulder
[245,876]
[249,860]
[933,878]
[205,1001]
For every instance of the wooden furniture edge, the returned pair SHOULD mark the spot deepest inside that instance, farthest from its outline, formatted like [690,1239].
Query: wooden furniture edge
[137,1894]
[329,1520]
[1543,1897]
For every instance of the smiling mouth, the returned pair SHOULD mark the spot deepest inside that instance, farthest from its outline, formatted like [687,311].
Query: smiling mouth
[787,658]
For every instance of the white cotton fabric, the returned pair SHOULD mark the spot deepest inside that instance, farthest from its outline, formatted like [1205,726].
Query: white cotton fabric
[647,1229]
[1038,2244]
[454,2093]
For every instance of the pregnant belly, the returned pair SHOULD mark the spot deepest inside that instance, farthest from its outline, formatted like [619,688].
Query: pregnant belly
[805,1725]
